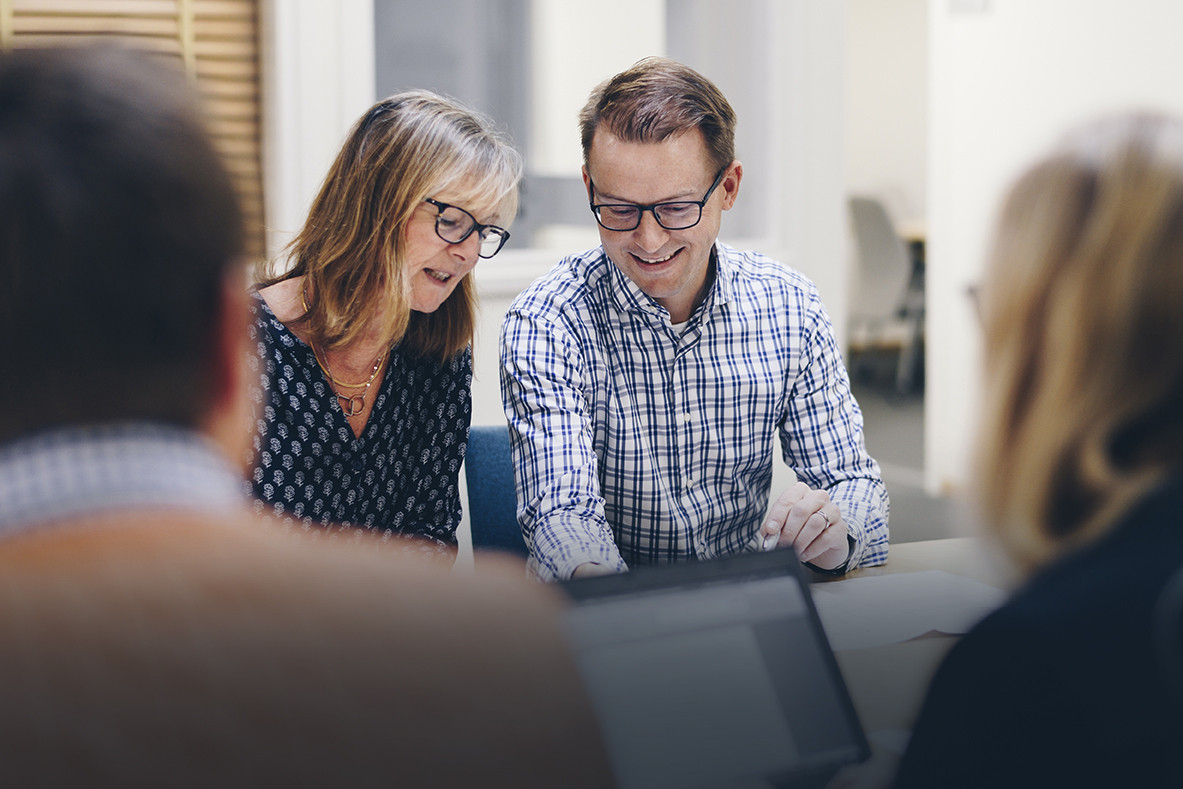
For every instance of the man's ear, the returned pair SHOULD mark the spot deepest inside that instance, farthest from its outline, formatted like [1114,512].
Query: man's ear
[230,411]
[586,182]
[730,184]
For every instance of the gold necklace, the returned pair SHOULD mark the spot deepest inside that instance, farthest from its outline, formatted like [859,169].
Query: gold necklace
[355,404]
[350,405]
[324,366]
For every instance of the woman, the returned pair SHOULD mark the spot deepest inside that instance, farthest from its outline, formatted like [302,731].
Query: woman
[1080,468]
[364,328]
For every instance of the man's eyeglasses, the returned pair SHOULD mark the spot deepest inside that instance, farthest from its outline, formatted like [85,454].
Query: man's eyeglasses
[454,224]
[674,215]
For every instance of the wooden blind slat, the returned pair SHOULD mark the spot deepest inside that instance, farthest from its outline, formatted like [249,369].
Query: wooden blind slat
[231,109]
[45,24]
[228,69]
[224,28]
[224,89]
[82,8]
[234,146]
[224,9]
[224,50]
[155,44]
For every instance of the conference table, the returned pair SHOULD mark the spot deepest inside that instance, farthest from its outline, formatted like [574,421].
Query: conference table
[887,681]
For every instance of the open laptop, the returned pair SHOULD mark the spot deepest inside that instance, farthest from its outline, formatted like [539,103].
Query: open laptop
[713,674]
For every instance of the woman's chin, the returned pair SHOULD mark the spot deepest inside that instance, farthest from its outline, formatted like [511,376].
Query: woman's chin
[427,306]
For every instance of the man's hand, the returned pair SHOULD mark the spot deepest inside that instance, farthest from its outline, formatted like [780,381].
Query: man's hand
[808,521]
[588,569]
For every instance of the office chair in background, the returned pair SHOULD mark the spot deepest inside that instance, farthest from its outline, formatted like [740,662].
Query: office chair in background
[887,307]
[492,500]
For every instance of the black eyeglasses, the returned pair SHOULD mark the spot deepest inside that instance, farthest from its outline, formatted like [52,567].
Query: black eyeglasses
[454,224]
[674,215]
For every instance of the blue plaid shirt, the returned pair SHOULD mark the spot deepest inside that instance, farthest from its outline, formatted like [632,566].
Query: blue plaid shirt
[636,442]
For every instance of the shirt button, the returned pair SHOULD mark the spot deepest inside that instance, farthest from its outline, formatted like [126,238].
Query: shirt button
[356,464]
[690,482]
[687,418]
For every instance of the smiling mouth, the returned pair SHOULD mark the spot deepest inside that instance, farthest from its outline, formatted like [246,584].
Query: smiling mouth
[655,261]
[438,276]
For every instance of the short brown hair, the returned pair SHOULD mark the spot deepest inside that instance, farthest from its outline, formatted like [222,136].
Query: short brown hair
[118,224]
[658,98]
[1083,312]
[404,149]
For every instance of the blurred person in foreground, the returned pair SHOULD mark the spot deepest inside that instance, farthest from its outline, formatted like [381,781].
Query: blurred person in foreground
[363,329]
[646,381]
[1080,474]
[152,630]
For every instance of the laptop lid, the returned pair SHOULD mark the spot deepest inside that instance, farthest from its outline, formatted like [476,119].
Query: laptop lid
[713,673]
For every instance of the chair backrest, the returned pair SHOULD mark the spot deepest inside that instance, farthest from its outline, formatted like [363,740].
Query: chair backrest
[884,268]
[492,500]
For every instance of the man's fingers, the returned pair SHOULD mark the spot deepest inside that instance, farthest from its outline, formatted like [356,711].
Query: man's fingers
[813,526]
[806,520]
[780,510]
[831,538]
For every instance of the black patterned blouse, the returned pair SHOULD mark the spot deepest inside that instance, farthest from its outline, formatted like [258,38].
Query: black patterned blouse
[399,477]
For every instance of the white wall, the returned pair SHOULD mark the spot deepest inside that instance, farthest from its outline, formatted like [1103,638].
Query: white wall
[575,46]
[318,78]
[1007,78]
[805,74]
[886,104]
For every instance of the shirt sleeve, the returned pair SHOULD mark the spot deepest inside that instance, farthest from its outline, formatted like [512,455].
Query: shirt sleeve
[560,506]
[822,439]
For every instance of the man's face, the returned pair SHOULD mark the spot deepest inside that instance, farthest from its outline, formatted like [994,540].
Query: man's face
[670,266]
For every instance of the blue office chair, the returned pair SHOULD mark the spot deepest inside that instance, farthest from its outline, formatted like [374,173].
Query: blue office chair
[492,501]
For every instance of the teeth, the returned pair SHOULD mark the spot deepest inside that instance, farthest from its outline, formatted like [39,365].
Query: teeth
[658,260]
[441,276]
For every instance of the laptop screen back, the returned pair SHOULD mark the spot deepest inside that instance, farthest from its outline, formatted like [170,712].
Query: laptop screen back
[713,674]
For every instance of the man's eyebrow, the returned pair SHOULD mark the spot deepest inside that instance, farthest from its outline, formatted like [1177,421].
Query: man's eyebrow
[603,196]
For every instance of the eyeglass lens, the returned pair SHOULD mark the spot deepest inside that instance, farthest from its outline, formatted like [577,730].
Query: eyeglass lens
[671,216]
[455,224]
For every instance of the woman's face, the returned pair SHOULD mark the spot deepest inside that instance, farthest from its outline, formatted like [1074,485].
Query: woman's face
[433,266]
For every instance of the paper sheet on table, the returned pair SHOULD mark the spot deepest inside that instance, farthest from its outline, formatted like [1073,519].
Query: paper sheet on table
[886,609]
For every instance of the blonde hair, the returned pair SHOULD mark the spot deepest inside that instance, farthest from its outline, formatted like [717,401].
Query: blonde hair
[406,148]
[1083,314]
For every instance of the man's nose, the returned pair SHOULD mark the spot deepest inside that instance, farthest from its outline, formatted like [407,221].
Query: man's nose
[650,235]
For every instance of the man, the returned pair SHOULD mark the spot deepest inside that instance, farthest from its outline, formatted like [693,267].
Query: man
[152,631]
[645,380]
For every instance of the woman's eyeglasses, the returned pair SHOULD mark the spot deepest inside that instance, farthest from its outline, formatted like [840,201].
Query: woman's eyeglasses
[454,225]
